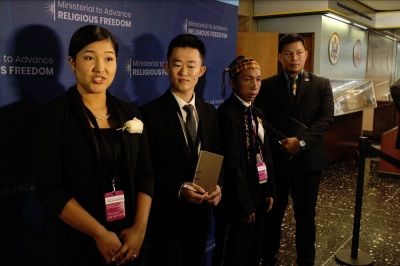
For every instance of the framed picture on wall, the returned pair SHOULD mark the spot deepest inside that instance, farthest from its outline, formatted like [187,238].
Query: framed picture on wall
[334,48]
[357,53]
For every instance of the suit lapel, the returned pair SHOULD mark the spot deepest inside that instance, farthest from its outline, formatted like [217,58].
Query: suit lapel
[285,91]
[79,110]
[239,109]
[203,121]
[302,89]
[171,110]
[120,118]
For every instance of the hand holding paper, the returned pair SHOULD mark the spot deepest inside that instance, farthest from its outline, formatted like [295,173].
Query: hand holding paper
[192,193]
[208,170]
[215,197]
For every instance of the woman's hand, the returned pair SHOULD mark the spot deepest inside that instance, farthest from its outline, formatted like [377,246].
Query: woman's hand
[76,216]
[133,236]
[132,243]
[108,244]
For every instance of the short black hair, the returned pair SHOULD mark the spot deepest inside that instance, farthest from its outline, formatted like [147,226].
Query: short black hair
[87,35]
[290,38]
[187,40]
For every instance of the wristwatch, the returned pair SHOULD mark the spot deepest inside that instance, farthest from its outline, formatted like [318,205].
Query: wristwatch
[302,144]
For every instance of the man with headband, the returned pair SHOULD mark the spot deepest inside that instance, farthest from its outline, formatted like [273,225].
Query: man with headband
[248,177]
[300,105]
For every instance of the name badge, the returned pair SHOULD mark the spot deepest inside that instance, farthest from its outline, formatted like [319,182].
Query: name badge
[115,205]
[262,172]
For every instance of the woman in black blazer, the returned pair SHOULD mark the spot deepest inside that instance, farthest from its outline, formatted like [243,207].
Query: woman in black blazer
[91,161]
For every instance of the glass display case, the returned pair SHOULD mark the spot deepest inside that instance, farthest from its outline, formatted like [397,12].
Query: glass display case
[353,95]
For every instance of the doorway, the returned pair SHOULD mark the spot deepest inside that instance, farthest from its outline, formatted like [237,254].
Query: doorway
[309,39]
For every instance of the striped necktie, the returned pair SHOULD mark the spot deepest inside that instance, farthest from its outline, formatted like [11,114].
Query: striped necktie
[190,122]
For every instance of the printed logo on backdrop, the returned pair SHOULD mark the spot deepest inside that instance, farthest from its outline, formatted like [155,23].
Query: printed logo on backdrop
[88,13]
[208,30]
[29,59]
[10,185]
[91,13]
[26,65]
[133,67]
[205,29]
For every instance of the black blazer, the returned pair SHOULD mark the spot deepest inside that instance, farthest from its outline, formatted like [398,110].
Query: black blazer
[313,107]
[243,194]
[65,162]
[174,165]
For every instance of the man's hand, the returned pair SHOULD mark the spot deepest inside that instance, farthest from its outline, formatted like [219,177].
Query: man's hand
[249,219]
[291,146]
[215,197]
[270,202]
[192,193]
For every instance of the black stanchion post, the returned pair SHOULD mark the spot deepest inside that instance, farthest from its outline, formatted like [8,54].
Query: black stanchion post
[354,256]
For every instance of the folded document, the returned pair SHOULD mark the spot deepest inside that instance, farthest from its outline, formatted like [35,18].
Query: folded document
[207,170]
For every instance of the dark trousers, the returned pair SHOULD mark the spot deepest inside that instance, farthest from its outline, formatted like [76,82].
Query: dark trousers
[238,244]
[184,248]
[303,189]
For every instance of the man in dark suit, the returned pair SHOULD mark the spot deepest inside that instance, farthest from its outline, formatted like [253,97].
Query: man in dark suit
[249,180]
[304,113]
[395,92]
[180,216]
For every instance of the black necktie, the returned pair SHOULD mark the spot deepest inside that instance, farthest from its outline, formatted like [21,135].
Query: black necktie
[190,123]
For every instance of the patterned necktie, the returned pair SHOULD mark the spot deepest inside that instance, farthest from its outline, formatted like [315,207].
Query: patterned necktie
[252,124]
[190,122]
[293,84]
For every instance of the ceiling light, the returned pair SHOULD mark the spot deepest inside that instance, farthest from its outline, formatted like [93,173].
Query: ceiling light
[338,18]
[391,38]
[360,26]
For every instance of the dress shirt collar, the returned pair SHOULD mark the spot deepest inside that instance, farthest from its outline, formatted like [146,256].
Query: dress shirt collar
[288,78]
[246,104]
[182,103]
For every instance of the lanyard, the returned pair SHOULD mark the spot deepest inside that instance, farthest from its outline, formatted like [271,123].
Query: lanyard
[256,141]
[111,152]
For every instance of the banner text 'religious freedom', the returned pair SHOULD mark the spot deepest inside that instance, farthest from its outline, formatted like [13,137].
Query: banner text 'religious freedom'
[93,19]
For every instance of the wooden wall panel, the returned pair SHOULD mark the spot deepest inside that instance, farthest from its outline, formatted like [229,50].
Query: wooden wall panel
[341,140]
[384,117]
[388,143]
[262,47]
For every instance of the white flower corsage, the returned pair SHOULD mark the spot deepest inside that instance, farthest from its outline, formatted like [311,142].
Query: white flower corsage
[133,126]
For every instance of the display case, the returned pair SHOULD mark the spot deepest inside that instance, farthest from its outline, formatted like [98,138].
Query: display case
[353,95]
